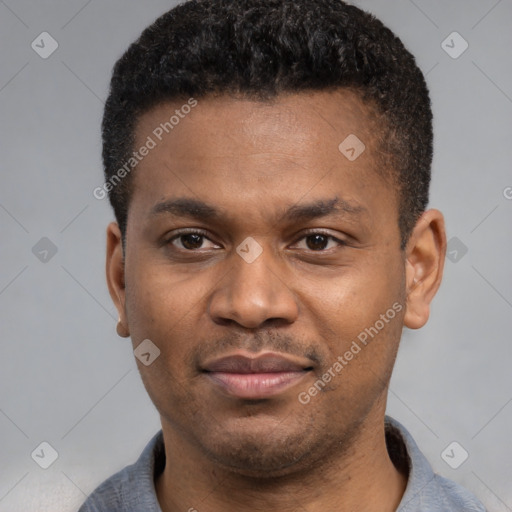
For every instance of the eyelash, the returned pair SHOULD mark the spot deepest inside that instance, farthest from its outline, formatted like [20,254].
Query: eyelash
[203,234]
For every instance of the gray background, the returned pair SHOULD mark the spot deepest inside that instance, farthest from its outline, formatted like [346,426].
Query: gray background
[67,379]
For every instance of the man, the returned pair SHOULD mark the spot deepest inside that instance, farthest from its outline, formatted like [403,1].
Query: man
[268,162]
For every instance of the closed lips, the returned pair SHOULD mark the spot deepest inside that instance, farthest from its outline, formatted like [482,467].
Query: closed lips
[254,378]
[268,363]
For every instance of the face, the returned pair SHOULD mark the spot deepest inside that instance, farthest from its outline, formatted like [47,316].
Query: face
[258,256]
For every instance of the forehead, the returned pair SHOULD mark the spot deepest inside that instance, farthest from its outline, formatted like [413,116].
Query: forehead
[229,150]
[310,118]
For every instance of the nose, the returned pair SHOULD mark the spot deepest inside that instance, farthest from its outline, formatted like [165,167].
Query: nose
[253,294]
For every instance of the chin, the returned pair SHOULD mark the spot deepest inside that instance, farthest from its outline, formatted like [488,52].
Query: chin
[258,460]
[276,450]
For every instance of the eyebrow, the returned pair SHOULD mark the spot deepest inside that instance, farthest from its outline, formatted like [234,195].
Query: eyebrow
[199,210]
[186,207]
[323,208]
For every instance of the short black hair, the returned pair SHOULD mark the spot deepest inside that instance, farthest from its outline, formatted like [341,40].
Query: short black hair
[262,48]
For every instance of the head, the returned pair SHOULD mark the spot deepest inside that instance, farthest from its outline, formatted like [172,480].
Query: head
[279,205]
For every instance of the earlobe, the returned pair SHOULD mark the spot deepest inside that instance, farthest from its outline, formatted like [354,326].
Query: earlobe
[115,276]
[425,254]
[121,330]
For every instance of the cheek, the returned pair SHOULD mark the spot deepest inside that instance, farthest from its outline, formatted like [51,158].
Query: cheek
[360,321]
[346,305]
[162,305]
[359,315]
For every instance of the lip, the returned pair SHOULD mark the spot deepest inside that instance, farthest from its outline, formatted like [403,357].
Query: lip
[256,377]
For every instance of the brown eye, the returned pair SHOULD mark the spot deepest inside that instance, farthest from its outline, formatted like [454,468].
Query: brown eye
[191,241]
[317,242]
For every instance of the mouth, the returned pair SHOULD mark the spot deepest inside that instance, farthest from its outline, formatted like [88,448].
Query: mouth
[256,377]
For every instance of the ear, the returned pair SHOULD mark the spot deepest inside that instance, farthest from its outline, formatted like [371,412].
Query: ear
[425,255]
[115,276]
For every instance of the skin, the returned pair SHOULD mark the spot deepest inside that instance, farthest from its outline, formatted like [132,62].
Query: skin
[252,161]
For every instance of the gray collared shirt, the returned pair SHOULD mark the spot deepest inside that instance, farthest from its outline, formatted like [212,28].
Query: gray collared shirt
[132,489]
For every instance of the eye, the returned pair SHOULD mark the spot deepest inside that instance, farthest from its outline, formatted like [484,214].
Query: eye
[318,242]
[191,241]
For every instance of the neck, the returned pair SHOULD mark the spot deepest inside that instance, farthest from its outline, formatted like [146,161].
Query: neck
[362,478]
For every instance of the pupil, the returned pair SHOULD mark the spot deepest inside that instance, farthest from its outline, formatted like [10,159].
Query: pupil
[191,241]
[316,242]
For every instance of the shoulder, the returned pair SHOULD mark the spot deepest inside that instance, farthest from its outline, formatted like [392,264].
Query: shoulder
[441,495]
[455,496]
[425,490]
[113,494]
[132,488]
